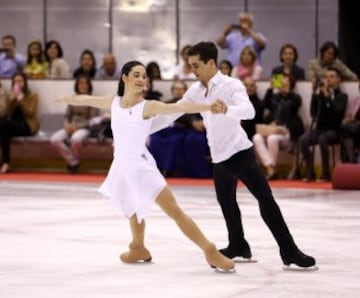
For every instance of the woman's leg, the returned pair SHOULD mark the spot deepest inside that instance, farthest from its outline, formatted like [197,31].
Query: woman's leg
[137,250]
[167,202]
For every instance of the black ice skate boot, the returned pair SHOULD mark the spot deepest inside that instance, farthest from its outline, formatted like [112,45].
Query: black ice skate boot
[240,254]
[297,260]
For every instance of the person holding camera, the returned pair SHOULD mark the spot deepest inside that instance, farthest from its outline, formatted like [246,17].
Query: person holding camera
[327,108]
[10,61]
[237,36]
[20,116]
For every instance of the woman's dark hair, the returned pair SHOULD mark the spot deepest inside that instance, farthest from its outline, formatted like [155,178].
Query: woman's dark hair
[329,45]
[288,46]
[40,57]
[88,82]
[58,46]
[125,71]
[26,86]
[205,50]
[228,63]
[292,80]
[153,70]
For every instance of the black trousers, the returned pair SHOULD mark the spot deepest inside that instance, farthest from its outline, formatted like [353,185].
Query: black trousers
[324,139]
[243,166]
[8,129]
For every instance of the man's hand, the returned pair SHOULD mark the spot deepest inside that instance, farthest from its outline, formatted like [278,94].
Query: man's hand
[219,106]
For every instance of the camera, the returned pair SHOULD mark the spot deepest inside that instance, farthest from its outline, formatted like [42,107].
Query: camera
[236,26]
[3,50]
[319,83]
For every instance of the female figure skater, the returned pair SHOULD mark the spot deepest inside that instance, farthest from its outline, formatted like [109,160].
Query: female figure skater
[134,182]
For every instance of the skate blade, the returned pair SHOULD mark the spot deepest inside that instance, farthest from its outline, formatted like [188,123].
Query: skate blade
[230,271]
[296,268]
[244,260]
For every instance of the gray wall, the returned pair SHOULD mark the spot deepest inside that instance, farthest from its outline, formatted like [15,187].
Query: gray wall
[147,30]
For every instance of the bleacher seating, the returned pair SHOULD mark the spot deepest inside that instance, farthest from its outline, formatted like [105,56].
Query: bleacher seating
[36,151]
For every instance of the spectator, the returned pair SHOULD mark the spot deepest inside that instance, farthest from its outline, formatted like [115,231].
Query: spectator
[237,36]
[36,66]
[350,130]
[328,59]
[327,108]
[225,67]
[109,69]
[20,118]
[10,61]
[183,70]
[68,140]
[150,92]
[288,57]
[58,67]
[284,125]
[247,65]
[249,125]
[182,150]
[87,65]
[4,101]
[153,71]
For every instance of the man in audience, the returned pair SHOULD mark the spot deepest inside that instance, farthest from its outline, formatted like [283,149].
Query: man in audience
[237,36]
[10,61]
[109,69]
[327,108]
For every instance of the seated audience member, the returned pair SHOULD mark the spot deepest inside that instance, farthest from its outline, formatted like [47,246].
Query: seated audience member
[225,67]
[109,69]
[150,92]
[20,117]
[87,65]
[350,130]
[153,71]
[284,125]
[288,57]
[10,61]
[181,150]
[58,67]
[183,70]
[327,108]
[248,65]
[36,66]
[317,67]
[4,101]
[249,125]
[68,140]
[237,36]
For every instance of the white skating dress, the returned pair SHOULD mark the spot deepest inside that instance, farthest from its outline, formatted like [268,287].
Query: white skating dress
[133,181]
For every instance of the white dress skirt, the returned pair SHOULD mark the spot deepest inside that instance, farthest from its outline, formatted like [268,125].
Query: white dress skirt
[133,182]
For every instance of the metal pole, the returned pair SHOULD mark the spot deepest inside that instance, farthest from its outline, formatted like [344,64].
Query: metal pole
[110,21]
[246,6]
[177,30]
[316,27]
[44,21]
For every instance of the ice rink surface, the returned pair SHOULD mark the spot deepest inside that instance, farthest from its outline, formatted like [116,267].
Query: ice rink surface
[63,240]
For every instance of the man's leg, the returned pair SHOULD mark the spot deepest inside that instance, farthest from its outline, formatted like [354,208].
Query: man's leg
[225,187]
[244,165]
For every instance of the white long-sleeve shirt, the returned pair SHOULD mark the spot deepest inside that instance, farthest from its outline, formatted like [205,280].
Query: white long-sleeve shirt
[225,135]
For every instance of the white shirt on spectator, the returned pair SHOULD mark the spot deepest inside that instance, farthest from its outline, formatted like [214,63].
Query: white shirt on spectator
[179,73]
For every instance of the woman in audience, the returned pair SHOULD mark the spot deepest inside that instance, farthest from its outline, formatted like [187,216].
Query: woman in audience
[36,66]
[153,71]
[20,118]
[58,67]
[68,140]
[329,53]
[225,67]
[87,65]
[288,57]
[183,70]
[248,65]
[283,124]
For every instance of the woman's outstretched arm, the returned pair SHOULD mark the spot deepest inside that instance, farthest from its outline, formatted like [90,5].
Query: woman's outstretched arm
[101,102]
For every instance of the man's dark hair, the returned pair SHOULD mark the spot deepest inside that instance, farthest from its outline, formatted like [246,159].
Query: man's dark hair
[205,50]
[334,69]
[10,37]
